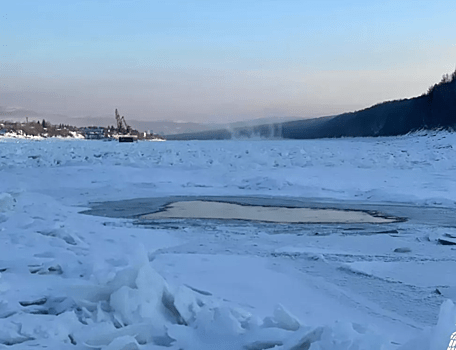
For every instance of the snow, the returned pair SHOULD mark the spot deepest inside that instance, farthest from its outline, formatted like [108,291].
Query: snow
[75,281]
[409,272]
[21,136]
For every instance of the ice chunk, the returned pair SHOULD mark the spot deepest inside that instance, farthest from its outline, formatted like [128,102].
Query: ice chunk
[125,303]
[187,304]
[282,319]
[10,334]
[144,301]
[438,337]
[126,342]
[403,250]
[49,329]
[7,202]
[104,333]
[213,329]
[445,326]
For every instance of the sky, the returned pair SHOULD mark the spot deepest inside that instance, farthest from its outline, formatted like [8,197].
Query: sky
[220,61]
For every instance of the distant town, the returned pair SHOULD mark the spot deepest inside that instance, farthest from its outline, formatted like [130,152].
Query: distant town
[39,129]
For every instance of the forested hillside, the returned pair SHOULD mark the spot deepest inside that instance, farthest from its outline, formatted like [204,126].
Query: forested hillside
[434,109]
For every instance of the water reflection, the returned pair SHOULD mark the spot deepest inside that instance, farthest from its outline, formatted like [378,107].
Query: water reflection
[222,210]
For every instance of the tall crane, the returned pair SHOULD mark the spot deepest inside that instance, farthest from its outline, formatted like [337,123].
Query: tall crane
[120,124]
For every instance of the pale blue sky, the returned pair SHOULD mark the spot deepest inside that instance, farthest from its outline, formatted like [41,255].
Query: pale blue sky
[220,60]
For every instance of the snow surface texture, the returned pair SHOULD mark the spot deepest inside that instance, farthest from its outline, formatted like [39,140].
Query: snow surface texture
[73,281]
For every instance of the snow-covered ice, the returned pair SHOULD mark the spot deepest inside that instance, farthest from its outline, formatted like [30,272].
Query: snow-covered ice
[75,281]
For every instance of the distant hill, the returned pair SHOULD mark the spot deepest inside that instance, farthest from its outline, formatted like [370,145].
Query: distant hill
[158,127]
[164,127]
[20,114]
[434,109]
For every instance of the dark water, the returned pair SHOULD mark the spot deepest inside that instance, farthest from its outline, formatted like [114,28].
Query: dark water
[134,208]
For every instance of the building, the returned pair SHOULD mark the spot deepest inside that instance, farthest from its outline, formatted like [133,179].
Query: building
[94,133]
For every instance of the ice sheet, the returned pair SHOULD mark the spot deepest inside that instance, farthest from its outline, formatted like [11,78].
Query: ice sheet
[72,281]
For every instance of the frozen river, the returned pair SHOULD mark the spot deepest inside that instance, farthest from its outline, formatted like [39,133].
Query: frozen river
[181,278]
